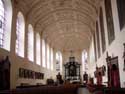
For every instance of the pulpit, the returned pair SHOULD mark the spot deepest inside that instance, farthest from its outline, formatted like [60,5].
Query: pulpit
[72,70]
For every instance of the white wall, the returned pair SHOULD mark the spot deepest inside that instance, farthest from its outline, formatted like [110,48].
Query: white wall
[115,48]
[19,62]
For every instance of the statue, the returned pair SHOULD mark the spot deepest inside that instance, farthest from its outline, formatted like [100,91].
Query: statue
[59,78]
[85,78]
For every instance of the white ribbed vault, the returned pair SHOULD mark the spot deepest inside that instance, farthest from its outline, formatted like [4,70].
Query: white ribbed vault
[65,24]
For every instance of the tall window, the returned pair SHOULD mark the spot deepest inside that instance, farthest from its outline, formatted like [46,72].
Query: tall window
[48,56]
[20,27]
[109,18]
[38,58]
[43,53]
[98,39]
[84,61]
[2,22]
[51,58]
[102,30]
[5,23]
[30,43]
[59,62]
[121,9]
[94,38]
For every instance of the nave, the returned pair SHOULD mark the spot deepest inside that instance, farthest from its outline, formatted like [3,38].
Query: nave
[62,46]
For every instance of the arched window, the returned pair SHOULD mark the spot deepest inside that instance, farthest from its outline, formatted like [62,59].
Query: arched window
[121,14]
[110,22]
[98,39]
[59,62]
[102,30]
[20,33]
[5,23]
[84,60]
[95,47]
[51,59]
[30,43]
[48,56]
[2,22]
[43,53]
[38,58]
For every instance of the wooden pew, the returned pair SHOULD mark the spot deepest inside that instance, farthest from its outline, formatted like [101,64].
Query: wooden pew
[72,89]
[95,88]
[114,91]
[108,90]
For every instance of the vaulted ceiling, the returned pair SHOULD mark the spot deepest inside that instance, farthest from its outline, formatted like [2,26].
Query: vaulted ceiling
[65,24]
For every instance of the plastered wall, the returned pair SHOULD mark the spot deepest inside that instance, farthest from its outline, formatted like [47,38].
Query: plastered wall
[114,49]
[23,62]
[18,62]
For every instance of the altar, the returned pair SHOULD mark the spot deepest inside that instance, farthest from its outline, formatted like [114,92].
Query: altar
[72,70]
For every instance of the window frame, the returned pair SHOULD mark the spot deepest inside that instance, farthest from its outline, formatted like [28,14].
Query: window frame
[30,46]
[2,23]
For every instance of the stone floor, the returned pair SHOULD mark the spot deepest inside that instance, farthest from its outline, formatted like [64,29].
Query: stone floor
[83,91]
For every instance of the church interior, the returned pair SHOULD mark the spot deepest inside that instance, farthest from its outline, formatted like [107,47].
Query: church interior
[62,47]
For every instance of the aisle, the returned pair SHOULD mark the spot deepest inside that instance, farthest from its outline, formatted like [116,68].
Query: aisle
[83,91]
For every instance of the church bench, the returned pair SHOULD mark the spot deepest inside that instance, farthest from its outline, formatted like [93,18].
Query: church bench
[114,90]
[95,88]
[107,90]
[44,90]
[29,86]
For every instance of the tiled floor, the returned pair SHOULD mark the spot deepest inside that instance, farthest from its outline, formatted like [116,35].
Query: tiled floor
[83,91]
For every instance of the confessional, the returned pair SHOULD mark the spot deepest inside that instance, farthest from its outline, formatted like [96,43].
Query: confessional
[113,71]
[5,74]
[72,70]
